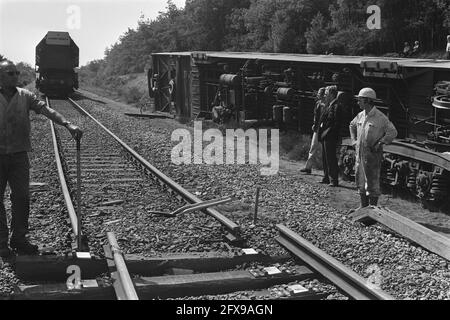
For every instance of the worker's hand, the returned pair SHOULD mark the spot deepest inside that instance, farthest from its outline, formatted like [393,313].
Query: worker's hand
[75,131]
[378,147]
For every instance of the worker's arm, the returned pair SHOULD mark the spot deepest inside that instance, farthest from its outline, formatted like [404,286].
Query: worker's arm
[58,118]
[353,127]
[390,133]
[41,107]
[389,136]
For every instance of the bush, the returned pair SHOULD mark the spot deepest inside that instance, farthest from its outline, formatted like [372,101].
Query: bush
[132,94]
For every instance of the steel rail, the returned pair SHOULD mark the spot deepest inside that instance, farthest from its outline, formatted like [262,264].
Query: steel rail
[63,182]
[347,280]
[227,223]
[124,277]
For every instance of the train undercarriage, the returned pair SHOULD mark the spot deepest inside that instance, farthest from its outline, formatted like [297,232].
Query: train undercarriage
[279,90]
[421,171]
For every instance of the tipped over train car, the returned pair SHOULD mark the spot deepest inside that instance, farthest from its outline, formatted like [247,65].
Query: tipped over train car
[57,57]
[246,88]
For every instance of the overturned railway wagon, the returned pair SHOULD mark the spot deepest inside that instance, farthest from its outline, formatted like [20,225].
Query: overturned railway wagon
[280,89]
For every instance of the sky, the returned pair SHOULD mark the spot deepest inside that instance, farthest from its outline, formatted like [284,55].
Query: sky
[94,25]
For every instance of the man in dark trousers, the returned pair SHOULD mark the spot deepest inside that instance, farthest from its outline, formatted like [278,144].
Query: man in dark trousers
[370,130]
[329,129]
[15,106]
[315,145]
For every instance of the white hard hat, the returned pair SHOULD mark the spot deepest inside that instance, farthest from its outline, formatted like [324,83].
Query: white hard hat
[367,93]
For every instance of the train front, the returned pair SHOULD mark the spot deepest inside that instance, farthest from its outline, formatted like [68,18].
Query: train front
[57,57]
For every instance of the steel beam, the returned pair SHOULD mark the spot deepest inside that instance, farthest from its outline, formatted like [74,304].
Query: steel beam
[344,278]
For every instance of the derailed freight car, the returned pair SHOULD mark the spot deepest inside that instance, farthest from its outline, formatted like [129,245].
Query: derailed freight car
[57,57]
[280,88]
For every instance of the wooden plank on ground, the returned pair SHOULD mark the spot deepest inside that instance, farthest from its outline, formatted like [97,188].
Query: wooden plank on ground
[410,230]
[362,216]
[198,262]
[211,283]
[150,115]
[169,286]
[53,268]
[59,291]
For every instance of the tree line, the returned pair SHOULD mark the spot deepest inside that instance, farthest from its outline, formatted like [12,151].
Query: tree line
[27,74]
[289,26]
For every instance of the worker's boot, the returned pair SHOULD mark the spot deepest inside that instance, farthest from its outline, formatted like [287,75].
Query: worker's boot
[373,201]
[364,203]
[364,200]
[22,246]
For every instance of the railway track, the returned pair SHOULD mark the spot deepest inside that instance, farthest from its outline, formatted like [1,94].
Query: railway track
[116,179]
[105,267]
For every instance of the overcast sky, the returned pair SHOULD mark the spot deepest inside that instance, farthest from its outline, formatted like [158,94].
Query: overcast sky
[93,24]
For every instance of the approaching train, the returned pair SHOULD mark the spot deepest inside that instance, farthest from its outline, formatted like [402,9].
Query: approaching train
[245,88]
[57,57]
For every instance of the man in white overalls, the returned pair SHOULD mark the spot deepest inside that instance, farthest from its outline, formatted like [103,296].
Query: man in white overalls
[369,131]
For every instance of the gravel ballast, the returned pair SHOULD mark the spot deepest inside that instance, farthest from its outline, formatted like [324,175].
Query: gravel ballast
[402,269]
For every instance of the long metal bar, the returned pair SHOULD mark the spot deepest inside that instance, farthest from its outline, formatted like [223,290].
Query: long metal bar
[202,205]
[79,190]
[62,179]
[344,278]
[124,276]
[415,152]
[227,223]
[255,214]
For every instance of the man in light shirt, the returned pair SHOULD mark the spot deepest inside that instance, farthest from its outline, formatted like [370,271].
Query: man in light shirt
[369,131]
[15,106]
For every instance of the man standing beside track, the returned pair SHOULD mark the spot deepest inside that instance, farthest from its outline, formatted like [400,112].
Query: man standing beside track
[329,136]
[15,105]
[369,131]
[315,145]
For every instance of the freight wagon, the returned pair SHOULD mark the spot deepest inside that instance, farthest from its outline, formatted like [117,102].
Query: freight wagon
[280,89]
[57,57]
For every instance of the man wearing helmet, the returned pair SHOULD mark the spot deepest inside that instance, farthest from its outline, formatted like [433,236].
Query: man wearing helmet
[369,131]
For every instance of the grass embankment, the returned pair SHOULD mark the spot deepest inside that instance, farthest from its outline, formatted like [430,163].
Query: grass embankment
[131,89]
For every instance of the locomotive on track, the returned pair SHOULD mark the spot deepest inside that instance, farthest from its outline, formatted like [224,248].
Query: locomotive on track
[57,57]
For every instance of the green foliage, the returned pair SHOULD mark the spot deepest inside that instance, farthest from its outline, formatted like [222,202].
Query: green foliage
[291,26]
[132,95]
[27,74]
[317,36]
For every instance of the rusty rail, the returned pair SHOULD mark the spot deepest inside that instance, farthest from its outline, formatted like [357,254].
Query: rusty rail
[65,189]
[347,280]
[123,284]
